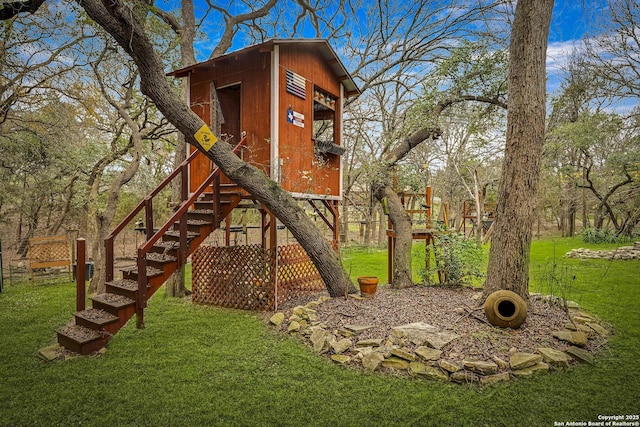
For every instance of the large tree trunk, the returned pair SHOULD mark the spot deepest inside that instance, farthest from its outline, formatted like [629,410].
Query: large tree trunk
[117,19]
[515,211]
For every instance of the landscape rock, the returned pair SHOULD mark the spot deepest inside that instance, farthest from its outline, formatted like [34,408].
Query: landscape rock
[428,353]
[573,337]
[463,377]
[395,363]
[480,366]
[554,357]
[372,361]
[501,363]
[277,319]
[403,354]
[371,342]
[581,355]
[422,370]
[51,352]
[538,367]
[318,339]
[293,327]
[340,358]
[449,366]
[496,378]
[524,360]
[598,329]
[341,346]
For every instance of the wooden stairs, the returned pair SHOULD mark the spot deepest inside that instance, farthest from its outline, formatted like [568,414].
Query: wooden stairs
[163,253]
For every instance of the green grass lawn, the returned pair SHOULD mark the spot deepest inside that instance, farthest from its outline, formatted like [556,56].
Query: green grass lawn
[202,366]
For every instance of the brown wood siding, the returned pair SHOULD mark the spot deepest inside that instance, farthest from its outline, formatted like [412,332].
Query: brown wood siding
[302,171]
[252,71]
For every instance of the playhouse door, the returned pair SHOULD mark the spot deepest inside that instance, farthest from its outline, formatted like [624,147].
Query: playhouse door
[229,98]
[201,166]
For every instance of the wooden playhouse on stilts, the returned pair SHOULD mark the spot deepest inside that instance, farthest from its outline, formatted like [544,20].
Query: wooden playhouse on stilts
[285,98]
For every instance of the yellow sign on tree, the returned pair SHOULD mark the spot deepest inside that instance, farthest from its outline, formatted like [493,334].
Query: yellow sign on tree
[205,137]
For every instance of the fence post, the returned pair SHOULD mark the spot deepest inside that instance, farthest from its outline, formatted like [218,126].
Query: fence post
[81,266]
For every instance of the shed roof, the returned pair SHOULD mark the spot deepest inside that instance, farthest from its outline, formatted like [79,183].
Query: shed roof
[325,49]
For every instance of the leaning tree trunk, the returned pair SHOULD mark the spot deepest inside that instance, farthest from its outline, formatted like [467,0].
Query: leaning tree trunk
[402,272]
[124,26]
[175,286]
[515,212]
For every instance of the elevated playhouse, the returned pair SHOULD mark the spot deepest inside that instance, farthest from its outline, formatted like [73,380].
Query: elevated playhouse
[280,105]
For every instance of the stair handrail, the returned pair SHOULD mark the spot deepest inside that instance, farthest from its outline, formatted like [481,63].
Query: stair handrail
[146,203]
[178,214]
[108,241]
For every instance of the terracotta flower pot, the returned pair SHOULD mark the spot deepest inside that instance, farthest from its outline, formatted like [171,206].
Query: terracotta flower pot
[368,286]
[505,309]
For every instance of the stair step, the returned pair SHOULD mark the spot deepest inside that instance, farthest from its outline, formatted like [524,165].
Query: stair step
[94,318]
[112,303]
[124,287]
[161,257]
[132,272]
[166,246]
[194,224]
[175,235]
[80,339]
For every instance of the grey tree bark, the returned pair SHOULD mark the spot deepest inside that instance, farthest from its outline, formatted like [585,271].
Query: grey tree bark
[515,211]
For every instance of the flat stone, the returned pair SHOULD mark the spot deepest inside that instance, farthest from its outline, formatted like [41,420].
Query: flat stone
[340,358]
[422,370]
[573,337]
[371,342]
[277,319]
[524,360]
[298,310]
[51,352]
[584,315]
[356,329]
[480,367]
[572,305]
[428,353]
[538,367]
[341,346]
[449,366]
[372,361]
[345,333]
[293,327]
[318,339]
[598,329]
[363,351]
[395,363]
[403,354]
[421,333]
[463,377]
[496,378]
[581,355]
[582,319]
[554,357]
[501,363]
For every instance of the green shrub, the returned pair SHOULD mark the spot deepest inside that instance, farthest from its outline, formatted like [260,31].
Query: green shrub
[458,260]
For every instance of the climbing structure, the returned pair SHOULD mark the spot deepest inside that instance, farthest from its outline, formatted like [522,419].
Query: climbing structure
[280,105]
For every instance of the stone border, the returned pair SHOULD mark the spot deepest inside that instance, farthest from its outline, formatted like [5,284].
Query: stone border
[623,252]
[390,354]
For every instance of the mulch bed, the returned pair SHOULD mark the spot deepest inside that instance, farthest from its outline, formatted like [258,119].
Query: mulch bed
[451,308]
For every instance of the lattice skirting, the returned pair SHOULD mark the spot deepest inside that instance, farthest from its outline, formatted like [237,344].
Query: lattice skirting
[243,276]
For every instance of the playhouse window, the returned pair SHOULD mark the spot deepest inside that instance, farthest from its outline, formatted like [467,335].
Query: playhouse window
[324,122]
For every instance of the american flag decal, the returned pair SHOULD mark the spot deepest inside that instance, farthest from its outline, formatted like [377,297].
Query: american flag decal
[296,84]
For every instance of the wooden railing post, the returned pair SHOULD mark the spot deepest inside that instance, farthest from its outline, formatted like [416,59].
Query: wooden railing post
[108,243]
[81,266]
[148,216]
[141,301]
